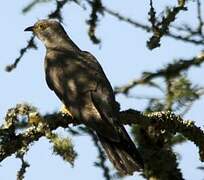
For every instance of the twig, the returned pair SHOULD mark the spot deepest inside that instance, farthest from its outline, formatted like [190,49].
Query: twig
[171,70]
[149,29]
[101,155]
[200,20]
[96,7]
[57,12]
[30,44]
[161,28]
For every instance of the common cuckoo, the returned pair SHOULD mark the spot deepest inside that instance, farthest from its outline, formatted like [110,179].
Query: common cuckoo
[78,80]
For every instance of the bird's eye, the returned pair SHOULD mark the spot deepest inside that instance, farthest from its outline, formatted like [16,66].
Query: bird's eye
[41,27]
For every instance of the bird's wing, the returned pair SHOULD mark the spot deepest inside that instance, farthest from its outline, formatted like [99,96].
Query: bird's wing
[103,97]
[49,82]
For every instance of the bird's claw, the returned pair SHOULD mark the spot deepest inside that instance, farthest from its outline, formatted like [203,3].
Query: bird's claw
[65,111]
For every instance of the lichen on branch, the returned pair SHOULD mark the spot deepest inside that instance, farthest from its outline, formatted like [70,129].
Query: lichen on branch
[11,141]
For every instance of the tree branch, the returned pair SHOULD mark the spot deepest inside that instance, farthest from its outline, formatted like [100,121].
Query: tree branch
[11,142]
[30,44]
[170,71]
[96,8]
[159,29]
[148,28]
[167,121]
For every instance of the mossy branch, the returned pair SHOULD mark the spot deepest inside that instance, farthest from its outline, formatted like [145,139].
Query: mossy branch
[166,121]
[159,29]
[11,142]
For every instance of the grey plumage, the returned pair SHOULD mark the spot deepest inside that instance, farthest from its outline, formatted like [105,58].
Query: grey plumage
[79,81]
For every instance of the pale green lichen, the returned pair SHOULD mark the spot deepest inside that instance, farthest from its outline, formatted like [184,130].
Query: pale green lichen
[63,147]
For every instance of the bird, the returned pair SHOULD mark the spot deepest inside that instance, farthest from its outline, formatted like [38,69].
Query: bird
[78,80]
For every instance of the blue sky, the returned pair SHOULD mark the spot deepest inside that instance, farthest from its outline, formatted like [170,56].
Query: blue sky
[123,55]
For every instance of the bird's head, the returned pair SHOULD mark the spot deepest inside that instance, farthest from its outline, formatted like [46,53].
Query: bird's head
[48,31]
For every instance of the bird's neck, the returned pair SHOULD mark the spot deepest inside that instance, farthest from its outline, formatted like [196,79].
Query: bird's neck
[61,44]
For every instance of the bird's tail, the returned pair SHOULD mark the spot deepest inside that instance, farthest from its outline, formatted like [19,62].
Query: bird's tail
[123,154]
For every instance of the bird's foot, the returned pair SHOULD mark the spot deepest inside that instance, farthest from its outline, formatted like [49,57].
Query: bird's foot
[65,111]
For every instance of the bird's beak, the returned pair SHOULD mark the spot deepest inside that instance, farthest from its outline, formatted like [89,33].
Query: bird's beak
[29,28]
